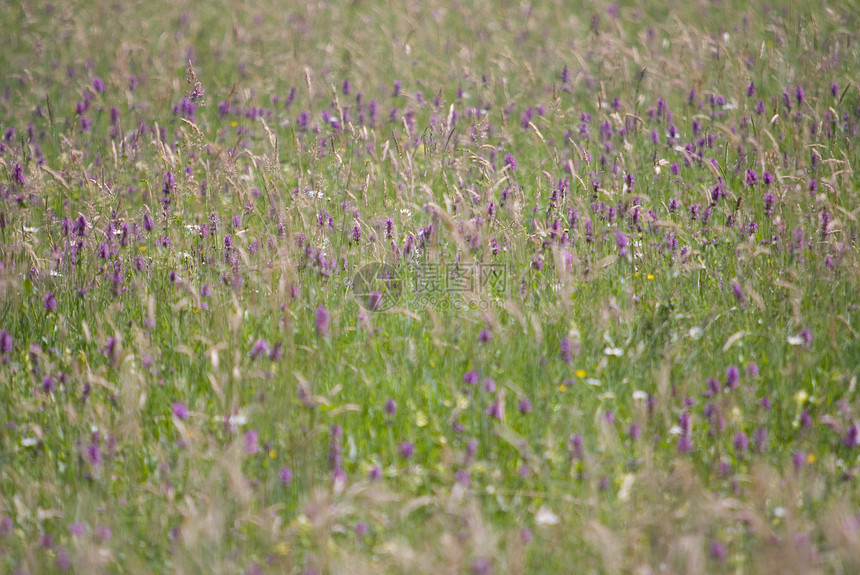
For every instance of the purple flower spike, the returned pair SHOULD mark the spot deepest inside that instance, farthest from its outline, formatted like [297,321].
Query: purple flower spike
[286,476]
[179,410]
[852,436]
[489,385]
[622,242]
[635,432]
[50,301]
[63,561]
[390,407]
[260,347]
[250,444]
[407,450]
[103,533]
[733,375]
[717,551]
[566,349]
[738,291]
[5,342]
[323,320]
[751,178]
[482,566]
[798,459]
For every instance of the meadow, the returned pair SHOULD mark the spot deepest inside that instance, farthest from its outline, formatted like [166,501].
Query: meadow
[429,287]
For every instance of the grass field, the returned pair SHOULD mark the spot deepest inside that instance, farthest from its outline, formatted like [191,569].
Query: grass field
[427,287]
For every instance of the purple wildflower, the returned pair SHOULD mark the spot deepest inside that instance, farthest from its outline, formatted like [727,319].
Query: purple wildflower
[566,349]
[751,178]
[769,200]
[622,242]
[63,561]
[375,300]
[741,442]
[714,387]
[180,411]
[50,302]
[286,476]
[5,342]
[110,349]
[406,450]
[717,551]
[93,452]
[18,174]
[732,376]
[103,533]
[260,347]
[361,529]
[798,458]
[494,410]
[482,566]
[852,436]
[390,407]
[489,385]
[323,320]
[470,377]
[738,291]
[250,444]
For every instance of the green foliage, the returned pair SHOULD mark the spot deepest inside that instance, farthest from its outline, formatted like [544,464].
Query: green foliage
[661,376]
